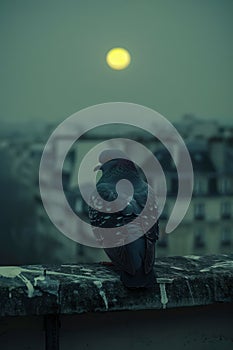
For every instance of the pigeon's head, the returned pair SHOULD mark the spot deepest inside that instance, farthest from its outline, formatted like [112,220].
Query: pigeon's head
[109,158]
[114,159]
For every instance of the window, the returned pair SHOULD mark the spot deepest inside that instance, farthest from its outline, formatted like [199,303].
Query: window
[225,210]
[212,185]
[226,236]
[199,238]
[199,211]
[199,186]
[225,185]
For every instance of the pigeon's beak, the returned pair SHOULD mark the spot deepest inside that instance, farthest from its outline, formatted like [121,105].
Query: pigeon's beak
[97,167]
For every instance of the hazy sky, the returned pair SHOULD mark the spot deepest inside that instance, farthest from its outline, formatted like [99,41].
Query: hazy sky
[52,59]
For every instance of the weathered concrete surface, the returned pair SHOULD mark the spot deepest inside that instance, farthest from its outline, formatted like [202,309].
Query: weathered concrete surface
[74,289]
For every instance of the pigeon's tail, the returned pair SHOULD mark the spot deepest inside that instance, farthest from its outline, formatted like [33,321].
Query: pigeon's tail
[139,279]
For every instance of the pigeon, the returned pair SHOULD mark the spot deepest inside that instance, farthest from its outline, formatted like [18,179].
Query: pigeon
[133,260]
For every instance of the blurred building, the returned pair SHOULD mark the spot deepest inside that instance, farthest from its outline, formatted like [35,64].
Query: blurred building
[206,227]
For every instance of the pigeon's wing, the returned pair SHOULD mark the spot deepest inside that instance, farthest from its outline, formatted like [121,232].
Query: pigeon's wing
[146,200]
[123,256]
[99,220]
[103,212]
[151,234]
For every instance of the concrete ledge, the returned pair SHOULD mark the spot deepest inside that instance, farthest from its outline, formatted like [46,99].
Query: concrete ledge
[74,289]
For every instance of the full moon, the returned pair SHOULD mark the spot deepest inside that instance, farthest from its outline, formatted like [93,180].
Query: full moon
[118,58]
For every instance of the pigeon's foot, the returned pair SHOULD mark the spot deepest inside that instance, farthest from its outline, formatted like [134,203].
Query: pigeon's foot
[139,280]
